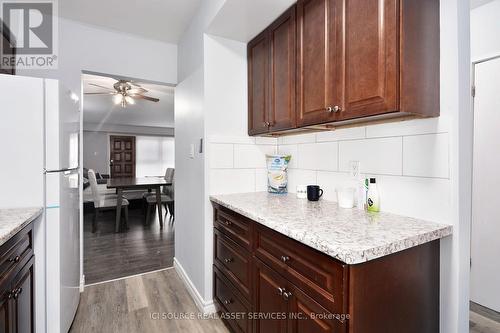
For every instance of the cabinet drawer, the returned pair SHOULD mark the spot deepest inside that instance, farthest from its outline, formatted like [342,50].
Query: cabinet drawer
[233,225]
[16,251]
[231,303]
[319,275]
[233,261]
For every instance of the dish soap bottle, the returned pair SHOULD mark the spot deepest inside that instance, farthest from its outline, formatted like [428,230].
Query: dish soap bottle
[373,200]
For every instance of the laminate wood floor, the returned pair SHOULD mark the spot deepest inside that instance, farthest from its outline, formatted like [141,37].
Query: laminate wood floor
[109,255]
[483,320]
[133,305]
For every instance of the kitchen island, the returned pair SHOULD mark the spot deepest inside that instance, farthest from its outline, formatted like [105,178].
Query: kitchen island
[329,269]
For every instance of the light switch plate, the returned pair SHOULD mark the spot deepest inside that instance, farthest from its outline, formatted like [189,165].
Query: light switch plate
[191,150]
[354,169]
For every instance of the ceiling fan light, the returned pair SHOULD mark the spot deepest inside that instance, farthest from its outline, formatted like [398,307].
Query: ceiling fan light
[117,99]
[129,100]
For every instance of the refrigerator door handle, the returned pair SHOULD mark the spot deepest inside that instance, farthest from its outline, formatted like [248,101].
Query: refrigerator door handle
[60,170]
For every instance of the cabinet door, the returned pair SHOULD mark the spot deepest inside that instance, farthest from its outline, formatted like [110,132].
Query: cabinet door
[258,84]
[371,58]
[310,317]
[5,309]
[269,289]
[23,300]
[282,39]
[319,52]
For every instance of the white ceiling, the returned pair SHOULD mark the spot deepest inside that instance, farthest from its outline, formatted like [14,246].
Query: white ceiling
[163,20]
[243,19]
[100,109]
[477,3]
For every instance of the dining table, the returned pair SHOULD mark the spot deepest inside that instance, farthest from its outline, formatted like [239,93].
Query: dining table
[135,183]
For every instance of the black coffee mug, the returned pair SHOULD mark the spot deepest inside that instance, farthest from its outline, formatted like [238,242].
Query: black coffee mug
[314,192]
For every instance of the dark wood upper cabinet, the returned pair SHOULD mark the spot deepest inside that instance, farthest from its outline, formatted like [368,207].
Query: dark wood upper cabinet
[282,39]
[371,58]
[258,83]
[6,40]
[318,59]
[356,61]
[271,77]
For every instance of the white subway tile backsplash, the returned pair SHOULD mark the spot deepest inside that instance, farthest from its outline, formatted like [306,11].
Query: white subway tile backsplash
[252,156]
[426,155]
[300,177]
[424,198]
[318,156]
[227,181]
[294,139]
[221,156]
[377,156]
[331,181]
[292,150]
[231,139]
[409,127]
[342,134]
[260,180]
[266,141]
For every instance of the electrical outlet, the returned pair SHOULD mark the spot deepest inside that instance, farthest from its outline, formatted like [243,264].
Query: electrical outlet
[354,169]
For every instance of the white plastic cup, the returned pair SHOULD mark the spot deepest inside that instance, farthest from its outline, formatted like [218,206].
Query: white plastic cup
[345,197]
[301,191]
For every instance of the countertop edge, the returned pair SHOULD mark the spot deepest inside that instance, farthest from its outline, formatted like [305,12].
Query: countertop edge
[19,226]
[347,258]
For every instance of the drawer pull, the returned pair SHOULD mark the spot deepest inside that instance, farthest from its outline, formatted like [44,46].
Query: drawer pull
[16,292]
[226,222]
[285,258]
[15,259]
[287,295]
[228,260]
[228,301]
[281,291]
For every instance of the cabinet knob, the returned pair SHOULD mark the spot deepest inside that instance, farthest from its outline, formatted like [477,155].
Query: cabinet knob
[16,259]
[285,258]
[228,260]
[287,295]
[228,223]
[16,292]
[268,124]
[280,291]
[329,109]
[228,301]
[336,108]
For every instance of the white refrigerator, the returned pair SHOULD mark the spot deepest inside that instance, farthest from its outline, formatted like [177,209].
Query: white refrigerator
[39,138]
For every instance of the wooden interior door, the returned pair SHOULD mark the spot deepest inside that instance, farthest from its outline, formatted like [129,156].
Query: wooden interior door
[371,65]
[282,41]
[122,156]
[319,55]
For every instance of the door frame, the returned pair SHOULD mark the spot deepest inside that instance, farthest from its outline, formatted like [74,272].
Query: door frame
[473,109]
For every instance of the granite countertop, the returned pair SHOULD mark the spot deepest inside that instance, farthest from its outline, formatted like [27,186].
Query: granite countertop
[14,219]
[352,236]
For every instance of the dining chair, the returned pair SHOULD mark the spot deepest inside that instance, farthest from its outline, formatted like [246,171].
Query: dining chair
[104,202]
[167,196]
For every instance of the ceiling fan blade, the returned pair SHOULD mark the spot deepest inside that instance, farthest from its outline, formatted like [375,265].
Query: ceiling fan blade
[99,93]
[96,85]
[137,91]
[147,98]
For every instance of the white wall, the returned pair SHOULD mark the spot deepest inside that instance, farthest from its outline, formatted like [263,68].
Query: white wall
[96,152]
[484,29]
[85,47]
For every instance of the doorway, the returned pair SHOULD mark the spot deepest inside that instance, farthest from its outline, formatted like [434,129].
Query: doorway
[127,148]
[485,245]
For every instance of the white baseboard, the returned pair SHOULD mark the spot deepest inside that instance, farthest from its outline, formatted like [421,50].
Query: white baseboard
[205,307]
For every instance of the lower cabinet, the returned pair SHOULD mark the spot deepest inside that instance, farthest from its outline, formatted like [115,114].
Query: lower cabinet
[17,284]
[265,282]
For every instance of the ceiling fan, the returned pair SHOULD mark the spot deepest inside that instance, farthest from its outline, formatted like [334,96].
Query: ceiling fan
[124,92]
